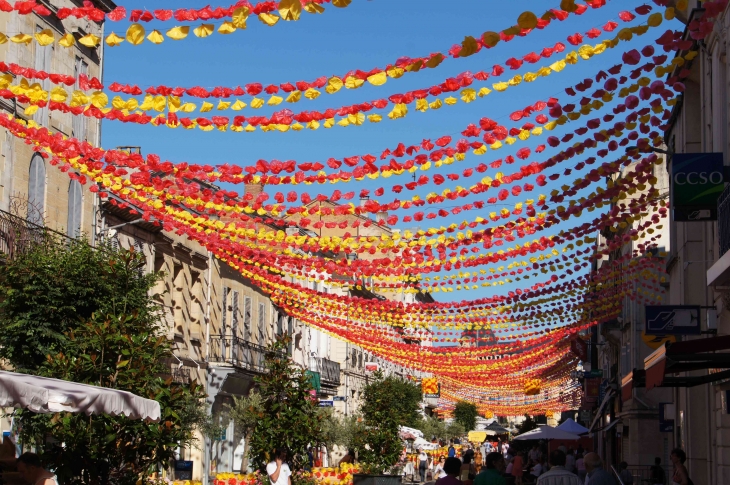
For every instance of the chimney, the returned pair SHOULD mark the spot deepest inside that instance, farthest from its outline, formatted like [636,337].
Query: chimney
[253,189]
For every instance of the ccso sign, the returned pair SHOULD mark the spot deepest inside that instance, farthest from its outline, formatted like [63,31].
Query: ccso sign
[698,179]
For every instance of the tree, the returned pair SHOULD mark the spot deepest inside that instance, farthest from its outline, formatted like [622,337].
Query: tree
[527,425]
[337,430]
[245,414]
[465,413]
[48,290]
[119,345]
[431,426]
[455,429]
[388,402]
[289,414]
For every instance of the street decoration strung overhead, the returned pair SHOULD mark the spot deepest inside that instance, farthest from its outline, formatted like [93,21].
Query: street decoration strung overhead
[535,251]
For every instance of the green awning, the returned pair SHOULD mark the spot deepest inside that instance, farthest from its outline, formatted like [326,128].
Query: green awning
[314,379]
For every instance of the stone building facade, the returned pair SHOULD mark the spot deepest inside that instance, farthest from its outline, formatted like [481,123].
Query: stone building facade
[25,178]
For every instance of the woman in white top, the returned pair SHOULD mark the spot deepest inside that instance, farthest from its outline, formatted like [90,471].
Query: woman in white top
[439,472]
[278,471]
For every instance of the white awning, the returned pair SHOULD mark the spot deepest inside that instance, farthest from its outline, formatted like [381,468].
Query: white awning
[46,395]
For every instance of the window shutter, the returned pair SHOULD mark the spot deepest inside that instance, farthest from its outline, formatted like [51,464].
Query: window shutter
[234,316]
[224,311]
[247,319]
[262,326]
[36,189]
[73,226]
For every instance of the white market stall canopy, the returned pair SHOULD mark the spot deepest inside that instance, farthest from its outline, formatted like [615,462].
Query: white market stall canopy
[422,444]
[405,431]
[545,432]
[46,395]
[572,427]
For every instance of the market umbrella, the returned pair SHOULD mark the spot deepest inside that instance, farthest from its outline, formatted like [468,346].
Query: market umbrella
[545,432]
[46,395]
[572,427]
[496,428]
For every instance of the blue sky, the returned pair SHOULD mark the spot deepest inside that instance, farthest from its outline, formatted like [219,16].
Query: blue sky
[367,34]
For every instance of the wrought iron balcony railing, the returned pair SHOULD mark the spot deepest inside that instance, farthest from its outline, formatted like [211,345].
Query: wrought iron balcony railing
[329,371]
[18,235]
[238,352]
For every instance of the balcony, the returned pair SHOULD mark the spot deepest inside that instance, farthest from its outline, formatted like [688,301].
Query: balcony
[718,276]
[237,352]
[329,371]
[17,235]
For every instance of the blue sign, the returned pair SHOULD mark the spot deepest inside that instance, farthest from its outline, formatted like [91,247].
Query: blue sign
[339,398]
[326,404]
[698,179]
[183,470]
[672,320]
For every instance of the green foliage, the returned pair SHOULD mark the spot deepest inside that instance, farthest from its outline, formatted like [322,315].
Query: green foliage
[48,290]
[431,426]
[465,413]
[245,414]
[388,402]
[115,342]
[455,429]
[527,425]
[289,415]
[337,430]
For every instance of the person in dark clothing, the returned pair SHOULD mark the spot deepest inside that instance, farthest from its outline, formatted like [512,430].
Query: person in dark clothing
[657,477]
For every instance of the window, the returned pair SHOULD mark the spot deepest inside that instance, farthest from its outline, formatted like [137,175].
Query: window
[42,62]
[75,203]
[247,319]
[78,126]
[37,190]
[262,324]
[224,311]
[234,313]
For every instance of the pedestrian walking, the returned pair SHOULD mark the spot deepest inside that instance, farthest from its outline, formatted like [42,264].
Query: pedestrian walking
[624,474]
[595,472]
[558,474]
[30,468]
[657,477]
[422,465]
[517,464]
[492,473]
[468,471]
[580,466]
[570,461]
[452,450]
[438,471]
[680,475]
[452,466]
[278,470]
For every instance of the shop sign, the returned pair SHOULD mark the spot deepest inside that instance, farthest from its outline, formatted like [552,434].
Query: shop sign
[326,403]
[698,179]
[672,320]
[183,470]
[372,367]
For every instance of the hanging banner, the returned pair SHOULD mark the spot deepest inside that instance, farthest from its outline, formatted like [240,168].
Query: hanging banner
[697,181]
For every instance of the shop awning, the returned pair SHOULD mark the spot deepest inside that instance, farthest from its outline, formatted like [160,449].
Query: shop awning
[634,379]
[688,356]
[599,413]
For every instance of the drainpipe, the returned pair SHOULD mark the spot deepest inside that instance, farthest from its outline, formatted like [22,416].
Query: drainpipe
[207,443]
[96,206]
